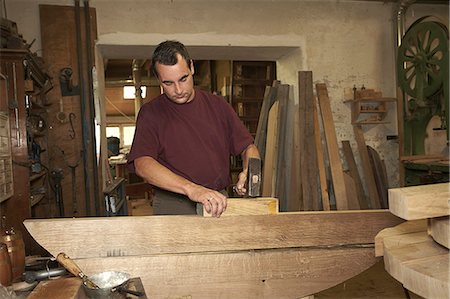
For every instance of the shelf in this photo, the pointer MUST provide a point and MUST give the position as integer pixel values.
(369, 101)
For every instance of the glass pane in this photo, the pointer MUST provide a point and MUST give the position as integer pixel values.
(113, 132)
(128, 134)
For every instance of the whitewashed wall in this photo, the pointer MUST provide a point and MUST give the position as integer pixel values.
(344, 43)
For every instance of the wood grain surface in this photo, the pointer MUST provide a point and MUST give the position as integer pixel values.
(420, 202)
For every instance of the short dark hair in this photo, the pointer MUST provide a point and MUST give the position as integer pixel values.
(166, 53)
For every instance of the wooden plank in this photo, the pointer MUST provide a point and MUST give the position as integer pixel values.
(404, 228)
(365, 163)
(261, 131)
(380, 175)
(353, 171)
(52, 289)
(320, 160)
(428, 277)
(309, 173)
(337, 173)
(271, 152)
(439, 229)
(295, 193)
(144, 235)
(247, 206)
(419, 202)
(416, 260)
(280, 174)
(352, 196)
(287, 155)
(398, 250)
(271, 273)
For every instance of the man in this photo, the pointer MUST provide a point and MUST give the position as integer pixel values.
(184, 139)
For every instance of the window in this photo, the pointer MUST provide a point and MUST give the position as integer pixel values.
(128, 135)
(125, 132)
(128, 92)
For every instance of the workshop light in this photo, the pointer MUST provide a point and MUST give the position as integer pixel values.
(129, 92)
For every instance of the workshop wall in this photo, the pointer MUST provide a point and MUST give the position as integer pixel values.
(344, 43)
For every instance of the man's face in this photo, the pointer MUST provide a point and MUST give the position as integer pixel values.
(177, 80)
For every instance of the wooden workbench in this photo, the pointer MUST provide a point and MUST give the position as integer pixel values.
(284, 255)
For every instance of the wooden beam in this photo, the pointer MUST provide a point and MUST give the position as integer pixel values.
(248, 206)
(420, 202)
(337, 173)
(144, 235)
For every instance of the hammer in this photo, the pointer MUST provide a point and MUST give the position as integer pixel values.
(254, 177)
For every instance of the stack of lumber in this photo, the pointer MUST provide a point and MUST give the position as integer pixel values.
(302, 162)
(269, 255)
(416, 252)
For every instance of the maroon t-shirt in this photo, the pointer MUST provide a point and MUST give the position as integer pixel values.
(194, 140)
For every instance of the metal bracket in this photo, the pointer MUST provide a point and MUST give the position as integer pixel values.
(65, 82)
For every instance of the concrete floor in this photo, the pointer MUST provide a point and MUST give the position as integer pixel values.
(372, 283)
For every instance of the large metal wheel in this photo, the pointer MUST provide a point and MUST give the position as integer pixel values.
(423, 59)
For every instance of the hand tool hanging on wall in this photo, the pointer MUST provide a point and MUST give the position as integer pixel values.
(74, 184)
(72, 133)
(66, 84)
(13, 105)
(56, 177)
(73, 176)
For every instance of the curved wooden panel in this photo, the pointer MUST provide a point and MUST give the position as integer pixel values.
(287, 255)
(440, 230)
(272, 273)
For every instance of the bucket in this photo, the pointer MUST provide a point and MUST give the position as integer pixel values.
(16, 249)
(113, 146)
(5, 266)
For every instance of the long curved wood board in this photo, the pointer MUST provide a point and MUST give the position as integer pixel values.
(418, 262)
(272, 273)
(286, 255)
(440, 230)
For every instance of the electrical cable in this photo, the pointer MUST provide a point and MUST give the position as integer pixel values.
(118, 110)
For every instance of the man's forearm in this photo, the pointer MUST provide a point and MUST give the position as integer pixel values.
(158, 175)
